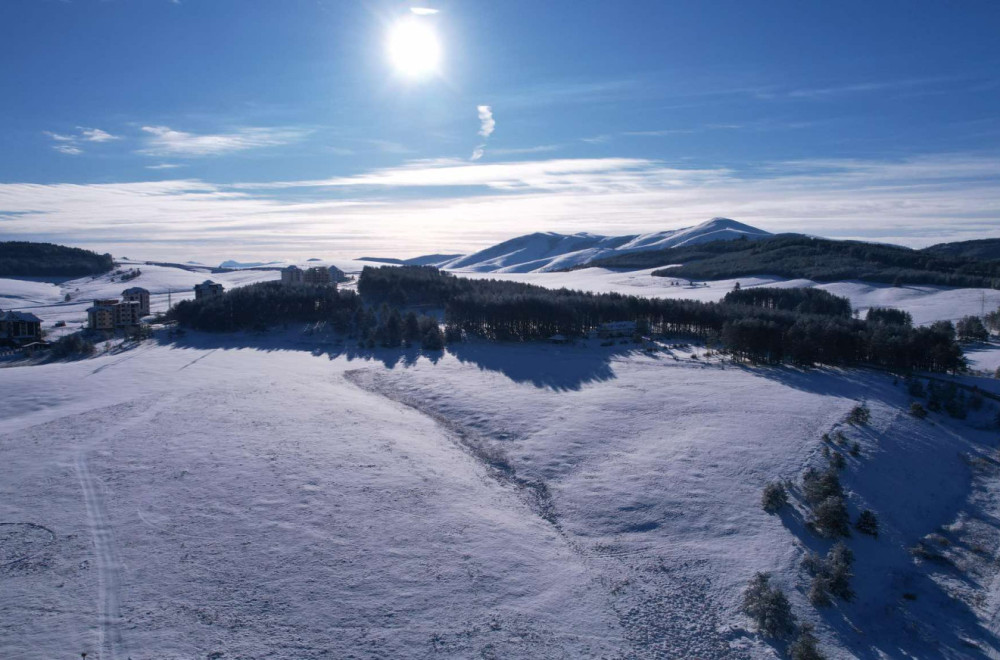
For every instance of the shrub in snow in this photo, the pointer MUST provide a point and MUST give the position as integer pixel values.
(774, 497)
(831, 575)
(830, 517)
(837, 461)
(867, 523)
(768, 606)
(70, 345)
(918, 410)
(956, 406)
(818, 486)
(916, 388)
(860, 414)
(805, 646)
(855, 449)
(839, 561)
(819, 592)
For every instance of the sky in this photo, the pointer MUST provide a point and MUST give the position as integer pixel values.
(258, 130)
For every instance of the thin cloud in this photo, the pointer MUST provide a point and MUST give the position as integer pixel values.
(486, 126)
(165, 141)
(69, 144)
(163, 166)
(59, 138)
(423, 11)
(486, 121)
(95, 135)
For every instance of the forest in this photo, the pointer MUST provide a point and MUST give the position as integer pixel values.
(760, 325)
(26, 259)
(795, 256)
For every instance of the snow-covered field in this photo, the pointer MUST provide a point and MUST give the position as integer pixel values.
(280, 496)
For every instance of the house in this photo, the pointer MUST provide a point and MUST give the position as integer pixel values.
(19, 328)
(109, 314)
(139, 295)
(292, 275)
(207, 289)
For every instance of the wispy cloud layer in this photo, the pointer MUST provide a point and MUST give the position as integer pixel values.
(165, 141)
(69, 144)
(456, 206)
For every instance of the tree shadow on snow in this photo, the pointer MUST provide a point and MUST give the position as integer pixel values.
(557, 367)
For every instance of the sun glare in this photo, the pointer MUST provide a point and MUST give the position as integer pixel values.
(414, 49)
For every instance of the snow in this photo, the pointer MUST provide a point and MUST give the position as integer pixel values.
(545, 251)
(281, 495)
(284, 495)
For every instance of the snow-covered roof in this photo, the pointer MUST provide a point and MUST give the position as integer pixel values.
(19, 316)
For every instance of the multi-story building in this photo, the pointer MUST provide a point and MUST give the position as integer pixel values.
(292, 275)
(207, 289)
(139, 295)
(109, 314)
(19, 328)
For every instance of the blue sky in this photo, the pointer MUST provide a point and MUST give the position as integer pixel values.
(251, 129)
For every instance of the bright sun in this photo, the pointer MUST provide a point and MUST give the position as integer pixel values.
(414, 49)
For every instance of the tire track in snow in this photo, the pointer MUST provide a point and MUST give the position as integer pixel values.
(110, 643)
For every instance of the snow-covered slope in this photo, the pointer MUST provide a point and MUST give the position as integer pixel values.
(546, 251)
(281, 497)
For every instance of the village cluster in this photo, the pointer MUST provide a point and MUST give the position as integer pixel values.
(20, 330)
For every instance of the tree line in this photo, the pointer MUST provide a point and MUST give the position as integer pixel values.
(795, 256)
(786, 325)
(764, 325)
(26, 259)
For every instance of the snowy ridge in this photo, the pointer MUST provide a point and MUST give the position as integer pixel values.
(546, 251)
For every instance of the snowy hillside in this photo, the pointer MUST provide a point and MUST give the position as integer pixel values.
(547, 251)
(280, 496)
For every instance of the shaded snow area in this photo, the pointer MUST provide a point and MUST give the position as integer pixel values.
(279, 496)
(925, 303)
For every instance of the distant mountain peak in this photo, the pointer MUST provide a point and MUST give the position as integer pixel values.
(542, 251)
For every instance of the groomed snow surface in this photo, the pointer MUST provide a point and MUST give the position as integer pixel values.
(281, 496)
